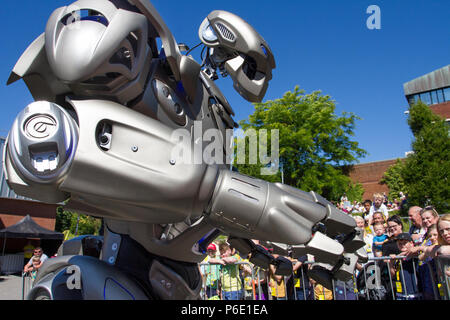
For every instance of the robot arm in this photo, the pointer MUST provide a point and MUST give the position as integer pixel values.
(262, 210)
(131, 174)
(290, 220)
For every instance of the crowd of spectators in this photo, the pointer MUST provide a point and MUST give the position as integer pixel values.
(405, 254)
(408, 254)
(381, 199)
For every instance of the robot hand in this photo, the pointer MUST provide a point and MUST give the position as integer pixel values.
(290, 219)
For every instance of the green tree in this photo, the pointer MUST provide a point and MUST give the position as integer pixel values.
(426, 171)
(394, 180)
(63, 219)
(76, 224)
(86, 224)
(314, 143)
(355, 192)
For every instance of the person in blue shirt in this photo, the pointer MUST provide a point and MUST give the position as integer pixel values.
(379, 239)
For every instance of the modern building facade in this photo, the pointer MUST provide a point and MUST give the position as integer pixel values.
(434, 90)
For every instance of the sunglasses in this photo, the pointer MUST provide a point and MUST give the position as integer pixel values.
(429, 208)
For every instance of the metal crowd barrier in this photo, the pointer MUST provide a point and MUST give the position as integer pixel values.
(442, 276)
(417, 281)
(27, 284)
(376, 280)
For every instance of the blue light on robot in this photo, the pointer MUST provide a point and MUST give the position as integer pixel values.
(264, 50)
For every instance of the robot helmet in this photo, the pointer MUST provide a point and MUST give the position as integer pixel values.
(99, 48)
(240, 50)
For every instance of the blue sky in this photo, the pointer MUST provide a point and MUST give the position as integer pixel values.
(319, 45)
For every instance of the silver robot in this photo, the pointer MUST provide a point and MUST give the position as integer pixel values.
(99, 137)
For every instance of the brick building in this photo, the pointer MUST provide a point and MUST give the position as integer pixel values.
(369, 176)
(433, 89)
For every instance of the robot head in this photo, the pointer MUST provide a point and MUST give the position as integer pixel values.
(240, 51)
(99, 48)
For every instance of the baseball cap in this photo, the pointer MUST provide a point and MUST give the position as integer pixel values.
(404, 236)
(211, 246)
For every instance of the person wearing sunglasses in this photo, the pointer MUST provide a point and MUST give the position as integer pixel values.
(38, 252)
(429, 216)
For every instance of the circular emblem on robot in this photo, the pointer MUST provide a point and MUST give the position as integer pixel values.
(40, 126)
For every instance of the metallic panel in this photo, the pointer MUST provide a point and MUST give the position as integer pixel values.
(434, 80)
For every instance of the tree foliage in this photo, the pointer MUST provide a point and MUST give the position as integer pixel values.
(72, 223)
(394, 180)
(426, 171)
(355, 192)
(314, 143)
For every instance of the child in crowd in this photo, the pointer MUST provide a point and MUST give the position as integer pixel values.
(210, 272)
(36, 263)
(367, 204)
(277, 284)
(432, 236)
(378, 206)
(428, 279)
(379, 238)
(230, 279)
(404, 271)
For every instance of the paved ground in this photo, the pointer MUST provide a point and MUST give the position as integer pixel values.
(10, 287)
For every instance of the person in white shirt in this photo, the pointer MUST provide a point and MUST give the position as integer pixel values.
(39, 253)
(417, 230)
(378, 206)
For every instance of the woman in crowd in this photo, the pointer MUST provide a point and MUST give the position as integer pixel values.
(430, 218)
(377, 217)
(443, 247)
(394, 227)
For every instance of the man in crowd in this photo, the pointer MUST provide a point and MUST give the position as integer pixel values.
(417, 231)
(36, 253)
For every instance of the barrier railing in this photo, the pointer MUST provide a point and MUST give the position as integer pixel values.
(27, 283)
(443, 276)
(227, 282)
(381, 278)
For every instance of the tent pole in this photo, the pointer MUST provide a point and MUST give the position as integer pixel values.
(78, 221)
(3, 254)
(4, 245)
